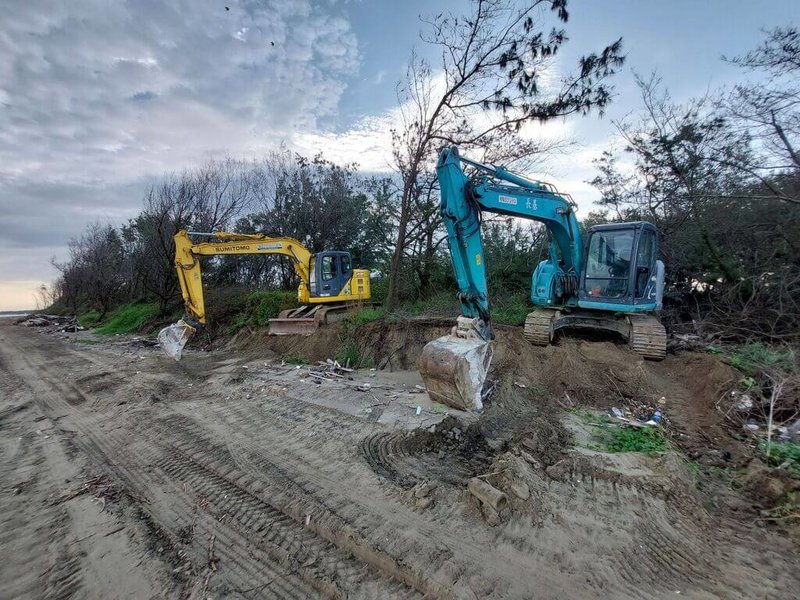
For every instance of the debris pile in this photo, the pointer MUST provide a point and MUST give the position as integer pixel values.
(56, 322)
(328, 370)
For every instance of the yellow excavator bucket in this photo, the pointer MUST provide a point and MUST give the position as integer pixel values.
(454, 368)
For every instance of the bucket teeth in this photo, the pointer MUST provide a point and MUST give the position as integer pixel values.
(454, 370)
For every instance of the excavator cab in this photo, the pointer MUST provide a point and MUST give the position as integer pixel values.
(329, 273)
(622, 271)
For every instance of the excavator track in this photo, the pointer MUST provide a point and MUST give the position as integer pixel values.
(539, 326)
(647, 337)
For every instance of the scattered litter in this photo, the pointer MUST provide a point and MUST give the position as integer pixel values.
(618, 412)
(744, 403)
(520, 385)
(328, 370)
(419, 410)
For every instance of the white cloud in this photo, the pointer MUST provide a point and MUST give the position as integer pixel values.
(97, 97)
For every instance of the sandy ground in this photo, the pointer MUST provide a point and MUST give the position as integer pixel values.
(126, 475)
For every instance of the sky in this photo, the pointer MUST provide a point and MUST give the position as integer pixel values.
(100, 97)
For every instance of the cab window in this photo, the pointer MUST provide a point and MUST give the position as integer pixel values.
(345, 264)
(645, 259)
(608, 263)
(328, 268)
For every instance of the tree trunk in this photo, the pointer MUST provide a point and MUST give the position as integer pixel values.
(397, 257)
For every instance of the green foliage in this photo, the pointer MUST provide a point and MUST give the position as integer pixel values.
(239, 321)
(511, 310)
(379, 289)
(129, 318)
(783, 454)
(263, 306)
(365, 315)
(294, 358)
(443, 303)
(755, 357)
(89, 319)
(648, 440)
(349, 354)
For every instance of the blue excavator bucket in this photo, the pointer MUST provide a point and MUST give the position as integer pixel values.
(454, 367)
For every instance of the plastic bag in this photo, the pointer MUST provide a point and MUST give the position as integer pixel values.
(173, 338)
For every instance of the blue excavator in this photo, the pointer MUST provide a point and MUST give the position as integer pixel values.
(613, 281)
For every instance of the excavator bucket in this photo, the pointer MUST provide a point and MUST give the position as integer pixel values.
(173, 338)
(454, 370)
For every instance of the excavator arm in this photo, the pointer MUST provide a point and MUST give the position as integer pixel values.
(454, 367)
(187, 264)
(496, 190)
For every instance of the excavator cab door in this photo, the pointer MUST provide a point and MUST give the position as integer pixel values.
(331, 273)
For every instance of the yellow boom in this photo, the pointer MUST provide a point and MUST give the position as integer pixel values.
(188, 265)
(316, 283)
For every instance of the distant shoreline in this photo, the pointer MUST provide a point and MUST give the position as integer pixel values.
(7, 314)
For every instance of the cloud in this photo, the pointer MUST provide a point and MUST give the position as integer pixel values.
(97, 97)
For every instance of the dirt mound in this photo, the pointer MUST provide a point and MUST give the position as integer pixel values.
(449, 454)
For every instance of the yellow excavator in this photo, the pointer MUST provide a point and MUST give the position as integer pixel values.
(329, 285)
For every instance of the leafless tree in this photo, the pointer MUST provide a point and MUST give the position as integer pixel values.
(491, 84)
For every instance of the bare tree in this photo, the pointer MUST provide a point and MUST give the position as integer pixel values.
(493, 62)
(770, 112)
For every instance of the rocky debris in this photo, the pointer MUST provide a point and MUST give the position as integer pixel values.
(420, 496)
(520, 490)
(487, 494)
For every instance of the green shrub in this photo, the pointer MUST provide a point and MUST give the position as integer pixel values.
(648, 440)
(89, 319)
(349, 354)
(511, 311)
(783, 454)
(239, 321)
(365, 315)
(755, 357)
(129, 318)
(263, 306)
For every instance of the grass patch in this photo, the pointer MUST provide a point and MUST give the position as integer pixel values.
(755, 357)
(783, 454)
(239, 321)
(366, 315)
(294, 358)
(129, 318)
(513, 314)
(647, 440)
(89, 319)
(349, 354)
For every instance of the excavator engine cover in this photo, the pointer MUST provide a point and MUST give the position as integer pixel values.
(454, 369)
